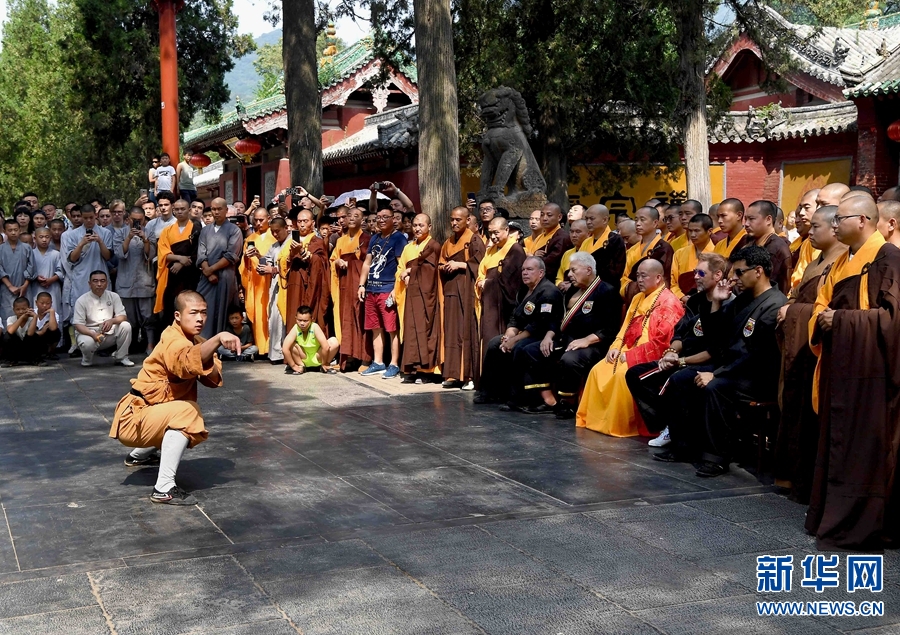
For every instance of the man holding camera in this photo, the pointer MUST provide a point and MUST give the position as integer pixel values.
(136, 284)
(85, 249)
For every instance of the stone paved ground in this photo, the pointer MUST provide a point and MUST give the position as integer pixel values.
(330, 504)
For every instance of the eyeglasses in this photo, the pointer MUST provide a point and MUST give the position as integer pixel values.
(838, 219)
(740, 272)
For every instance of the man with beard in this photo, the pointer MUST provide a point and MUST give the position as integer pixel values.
(347, 259)
(176, 261)
(854, 332)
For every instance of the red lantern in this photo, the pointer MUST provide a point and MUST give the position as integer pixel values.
(247, 148)
(893, 131)
(200, 160)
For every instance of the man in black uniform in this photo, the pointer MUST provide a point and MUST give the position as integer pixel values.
(540, 307)
(571, 347)
(746, 357)
(687, 355)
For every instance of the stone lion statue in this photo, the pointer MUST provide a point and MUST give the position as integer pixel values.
(508, 165)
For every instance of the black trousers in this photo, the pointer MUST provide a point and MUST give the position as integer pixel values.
(678, 403)
(30, 348)
(564, 370)
(502, 373)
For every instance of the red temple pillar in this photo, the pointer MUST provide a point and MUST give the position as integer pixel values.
(168, 75)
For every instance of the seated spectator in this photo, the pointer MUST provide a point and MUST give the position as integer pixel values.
(47, 326)
(100, 322)
(245, 333)
(21, 342)
(306, 347)
(572, 347)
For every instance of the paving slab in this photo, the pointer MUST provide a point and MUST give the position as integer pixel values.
(87, 620)
(45, 595)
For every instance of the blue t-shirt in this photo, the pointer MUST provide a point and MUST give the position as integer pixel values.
(385, 253)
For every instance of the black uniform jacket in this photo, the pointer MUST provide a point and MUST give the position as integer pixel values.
(538, 311)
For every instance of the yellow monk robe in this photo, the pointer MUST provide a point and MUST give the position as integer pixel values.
(284, 265)
(684, 262)
(678, 242)
(168, 382)
(529, 244)
(590, 245)
(726, 246)
(607, 405)
(635, 253)
(807, 255)
(843, 267)
(564, 264)
(346, 245)
(256, 290)
(542, 240)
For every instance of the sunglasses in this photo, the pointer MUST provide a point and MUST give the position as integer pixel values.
(740, 272)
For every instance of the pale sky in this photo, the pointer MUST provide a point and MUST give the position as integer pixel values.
(250, 15)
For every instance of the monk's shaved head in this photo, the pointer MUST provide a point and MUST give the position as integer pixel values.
(863, 205)
(891, 194)
(652, 267)
(626, 225)
(218, 202)
(578, 224)
(498, 222)
(809, 197)
(854, 194)
(601, 211)
(277, 222)
(188, 297)
(826, 213)
(423, 217)
(889, 209)
(652, 212)
(831, 194)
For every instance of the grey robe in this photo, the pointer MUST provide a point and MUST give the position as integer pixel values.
(47, 265)
(17, 265)
(78, 274)
(276, 324)
(213, 246)
(137, 277)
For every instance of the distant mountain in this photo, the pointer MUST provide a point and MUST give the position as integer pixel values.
(242, 79)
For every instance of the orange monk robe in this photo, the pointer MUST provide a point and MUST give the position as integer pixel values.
(425, 315)
(564, 266)
(168, 382)
(530, 244)
(805, 256)
(181, 242)
(303, 282)
(726, 246)
(607, 405)
(256, 289)
(633, 257)
(348, 310)
(843, 267)
(684, 263)
(678, 242)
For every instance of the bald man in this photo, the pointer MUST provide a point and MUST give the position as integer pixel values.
(831, 194)
(759, 223)
(730, 216)
(676, 231)
(256, 285)
(606, 246)
(802, 252)
(554, 241)
(889, 221)
(417, 294)
(855, 332)
(627, 229)
(499, 280)
(304, 271)
(651, 247)
(890, 194)
(218, 252)
(798, 432)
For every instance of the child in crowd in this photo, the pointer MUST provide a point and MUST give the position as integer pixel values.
(208, 218)
(306, 346)
(245, 333)
(57, 227)
(47, 268)
(47, 326)
(25, 342)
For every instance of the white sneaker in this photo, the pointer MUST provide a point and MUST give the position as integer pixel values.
(87, 361)
(662, 440)
(124, 362)
(468, 386)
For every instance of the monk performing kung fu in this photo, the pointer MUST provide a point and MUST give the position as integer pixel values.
(304, 272)
(461, 255)
(798, 432)
(554, 241)
(651, 246)
(176, 266)
(161, 411)
(606, 405)
(417, 294)
(347, 259)
(854, 331)
(699, 233)
(499, 280)
(256, 285)
(607, 248)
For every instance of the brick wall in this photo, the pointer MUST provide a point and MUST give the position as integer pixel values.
(877, 156)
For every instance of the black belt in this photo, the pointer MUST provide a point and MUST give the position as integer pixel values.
(137, 393)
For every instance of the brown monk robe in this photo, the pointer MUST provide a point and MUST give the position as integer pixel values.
(461, 255)
(417, 293)
(855, 330)
(499, 280)
(304, 272)
(347, 259)
(798, 431)
(553, 242)
(161, 409)
(651, 246)
(759, 223)
(607, 248)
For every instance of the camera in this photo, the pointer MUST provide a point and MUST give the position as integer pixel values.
(89, 232)
(295, 235)
(136, 224)
(378, 186)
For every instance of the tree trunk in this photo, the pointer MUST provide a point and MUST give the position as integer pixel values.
(302, 94)
(438, 119)
(554, 161)
(692, 44)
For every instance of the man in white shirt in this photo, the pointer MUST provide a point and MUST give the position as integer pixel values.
(100, 322)
(165, 176)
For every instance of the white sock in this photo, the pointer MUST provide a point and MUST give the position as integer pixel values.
(173, 446)
(141, 453)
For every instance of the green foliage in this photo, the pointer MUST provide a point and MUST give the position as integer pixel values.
(79, 90)
(269, 65)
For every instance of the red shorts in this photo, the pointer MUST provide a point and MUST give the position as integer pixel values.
(378, 316)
